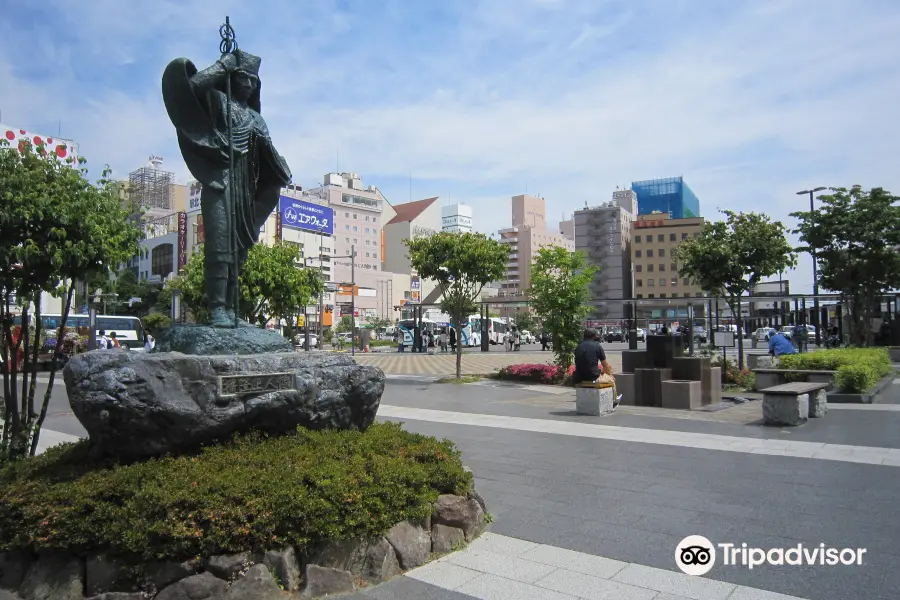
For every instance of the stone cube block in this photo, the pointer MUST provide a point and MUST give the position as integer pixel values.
(593, 401)
(625, 387)
(818, 404)
(785, 410)
(681, 394)
(715, 386)
(648, 386)
(633, 359)
(662, 349)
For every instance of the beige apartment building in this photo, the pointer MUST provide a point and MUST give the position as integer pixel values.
(528, 234)
(654, 240)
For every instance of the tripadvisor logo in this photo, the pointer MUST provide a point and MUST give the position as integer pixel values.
(696, 555)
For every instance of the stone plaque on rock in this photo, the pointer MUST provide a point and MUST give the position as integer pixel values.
(254, 383)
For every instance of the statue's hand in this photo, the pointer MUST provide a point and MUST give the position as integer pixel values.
(229, 62)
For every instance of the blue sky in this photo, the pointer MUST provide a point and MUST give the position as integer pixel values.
(482, 99)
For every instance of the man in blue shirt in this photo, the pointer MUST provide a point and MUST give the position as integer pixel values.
(778, 345)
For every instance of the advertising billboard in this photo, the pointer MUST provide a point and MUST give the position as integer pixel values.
(65, 149)
(299, 214)
(182, 240)
(194, 196)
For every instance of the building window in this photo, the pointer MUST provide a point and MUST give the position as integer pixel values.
(683, 236)
(686, 281)
(355, 228)
(672, 237)
(367, 242)
(662, 267)
(660, 237)
(640, 296)
(674, 282)
(347, 215)
(662, 295)
(672, 267)
(637, 239)
(161, 260)
(638, 268)
(649, 268)
(662, 282)
(649, 253)
(661, 252)
(355, 216)
(638, 283)
(367, 218)
(685, 295)
(356, 240)
(651, 296)
(346, 239)
(650, 283)
(637, 253)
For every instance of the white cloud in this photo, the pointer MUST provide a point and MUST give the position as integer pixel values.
(750, 103)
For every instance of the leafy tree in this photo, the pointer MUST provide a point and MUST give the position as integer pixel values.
(461, 264)
(155, 322)
(271, 285)
(729, 258)
(345, 324)
(127, 286)
(855, 237)
(380, 323)
(559, 295)
(526, 321)
(57, 228)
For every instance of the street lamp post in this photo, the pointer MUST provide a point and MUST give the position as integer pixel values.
(812, 252)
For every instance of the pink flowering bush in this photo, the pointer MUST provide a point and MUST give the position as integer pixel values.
(534, 373)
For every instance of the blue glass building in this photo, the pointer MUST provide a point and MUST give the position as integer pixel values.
(670, 195)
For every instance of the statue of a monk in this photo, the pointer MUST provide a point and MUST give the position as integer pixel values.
(198, 105)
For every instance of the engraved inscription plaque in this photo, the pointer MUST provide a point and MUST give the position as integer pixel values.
(257, 383)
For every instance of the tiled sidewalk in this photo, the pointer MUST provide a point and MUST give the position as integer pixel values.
(497, 567)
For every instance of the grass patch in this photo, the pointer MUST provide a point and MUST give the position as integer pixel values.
(253, 493)
(461, 380)
(857, 369)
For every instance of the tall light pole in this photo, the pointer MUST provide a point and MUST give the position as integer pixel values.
(812, 252)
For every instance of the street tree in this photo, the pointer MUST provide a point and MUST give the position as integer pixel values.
(58, 228)
(126, 286)
(461, 264)
(271, 285)
(855, 237)
(729, 258)
(559, 293)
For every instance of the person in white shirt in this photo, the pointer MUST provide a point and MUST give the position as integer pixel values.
(149, 342)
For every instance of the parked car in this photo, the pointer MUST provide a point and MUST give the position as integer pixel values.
(615, 335)
(528, 337)
(700, 335)
(788, 331)
(641, 335)
(763, 334)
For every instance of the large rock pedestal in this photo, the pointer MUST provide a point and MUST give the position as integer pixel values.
(136, 405)
(206, 341)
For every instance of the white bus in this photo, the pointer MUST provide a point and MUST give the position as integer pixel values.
(496, 330)
(128, 330)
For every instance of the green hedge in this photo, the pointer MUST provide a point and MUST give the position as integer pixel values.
(254, 493)
(858, 369)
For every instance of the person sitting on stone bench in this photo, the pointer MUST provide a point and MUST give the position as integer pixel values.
(589, 357)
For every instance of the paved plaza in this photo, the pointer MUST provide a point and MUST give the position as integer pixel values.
(594, 507)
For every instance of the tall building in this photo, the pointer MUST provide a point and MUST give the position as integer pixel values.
(456, 218)
(420, 218)
(603, 234)
(359, 213)
(527, 235)
(655, 238)
(671, 196)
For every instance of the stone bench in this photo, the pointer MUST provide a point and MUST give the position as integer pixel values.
(767, 378)
(595, 399)
(791, 404)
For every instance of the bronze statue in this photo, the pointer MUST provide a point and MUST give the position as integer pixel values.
(226, 145)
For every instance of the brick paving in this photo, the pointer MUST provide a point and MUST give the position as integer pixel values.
(443, 365)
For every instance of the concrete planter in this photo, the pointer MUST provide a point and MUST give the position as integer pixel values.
(894, 352)
(863, 398)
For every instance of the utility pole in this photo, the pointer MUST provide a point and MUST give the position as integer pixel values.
(812, 252)
(353, 300)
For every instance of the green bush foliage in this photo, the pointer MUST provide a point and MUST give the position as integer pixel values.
(252, 493)
(857, 369)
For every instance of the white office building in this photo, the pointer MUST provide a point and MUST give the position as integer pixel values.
(456, 218)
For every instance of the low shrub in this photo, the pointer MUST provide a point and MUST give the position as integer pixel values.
(857, 369)
(534, 373)
(253, 493)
